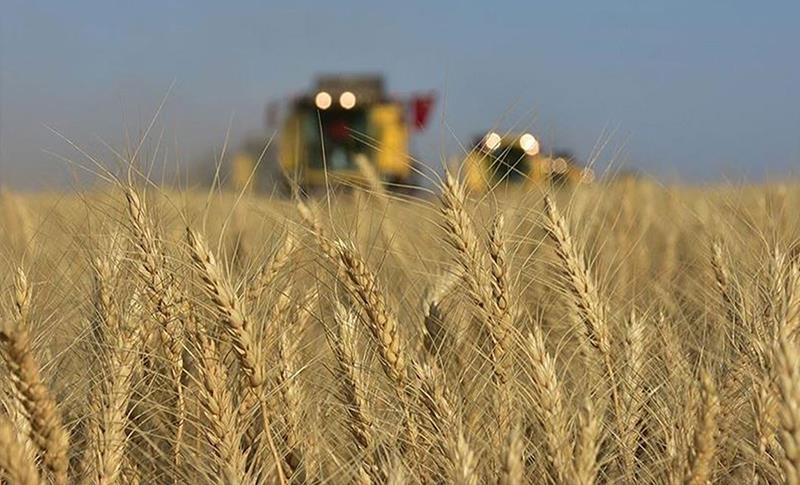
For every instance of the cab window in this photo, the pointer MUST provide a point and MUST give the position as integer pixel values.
(342, 132)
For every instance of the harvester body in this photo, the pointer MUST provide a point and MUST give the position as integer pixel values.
(516, 159)
(346, 118)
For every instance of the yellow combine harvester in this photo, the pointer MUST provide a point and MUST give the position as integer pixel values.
(345, 119)
(516, 159)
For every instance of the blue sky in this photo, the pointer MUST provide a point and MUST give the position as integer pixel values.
(693, 90)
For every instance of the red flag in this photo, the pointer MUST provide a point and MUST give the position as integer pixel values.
(421, 107)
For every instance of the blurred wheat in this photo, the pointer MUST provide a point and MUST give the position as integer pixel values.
(607, 334)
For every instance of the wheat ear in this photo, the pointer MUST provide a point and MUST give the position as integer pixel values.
(302, 452)
(585, 296)
(730, 294)
(788, 377)
(22, 297)
(701, 466)
(387, 228)
(765, 414)
(587, 446)
(310, 218)
(360, 424)
(230, 309)
(14, 407)
(501, 321)
(272, 267)
(549, 407)
(47, 431)
(105, 451)
(167, 302)
(460, 234)
(382, 323)
(447, 424)
(238, 328)
(17, 468)
(46, 428)
(487, 285)
(512, 467)
(384, 328)
(104, 267)
(223, 432)
(792, 321)
(632, 394)
(581, 284)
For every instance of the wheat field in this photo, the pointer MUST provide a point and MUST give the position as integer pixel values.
(621, 333)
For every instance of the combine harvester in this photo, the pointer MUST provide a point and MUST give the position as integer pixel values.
(345, 120)
(516, 159)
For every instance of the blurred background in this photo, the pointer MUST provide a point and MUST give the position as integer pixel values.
(687, 91)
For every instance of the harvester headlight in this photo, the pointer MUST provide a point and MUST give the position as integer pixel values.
(588, 175)
(347, 100)
(529, 143)
(560, 165)
(323, 100)
(492, 141)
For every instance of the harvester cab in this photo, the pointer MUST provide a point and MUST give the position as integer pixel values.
(516, 159)
(344, 120)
